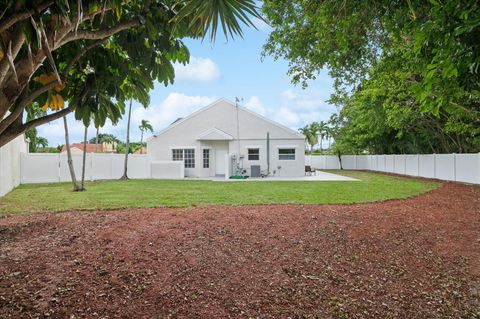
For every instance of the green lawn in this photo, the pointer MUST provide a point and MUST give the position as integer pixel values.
(153, 193)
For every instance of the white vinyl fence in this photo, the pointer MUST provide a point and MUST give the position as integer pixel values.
(10, 164)
(44, 168)
(449, 167)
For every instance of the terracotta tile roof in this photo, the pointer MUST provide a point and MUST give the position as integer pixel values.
(90, 147)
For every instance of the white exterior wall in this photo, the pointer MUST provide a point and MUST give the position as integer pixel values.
(167, 170)
(222, 115)
(10, 172)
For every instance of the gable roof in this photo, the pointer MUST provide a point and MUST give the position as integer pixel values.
(181, 120)
(214, 134)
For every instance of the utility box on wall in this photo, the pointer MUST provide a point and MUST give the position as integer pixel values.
(255, 171)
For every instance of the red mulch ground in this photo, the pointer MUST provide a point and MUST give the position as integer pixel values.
(417, 258)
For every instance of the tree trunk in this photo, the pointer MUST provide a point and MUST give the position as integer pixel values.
(69, 157)
(329, 141)
(82, 183)
(340, 159)
(96, 140)
(127, 143)
(321, 140)
(141, 143)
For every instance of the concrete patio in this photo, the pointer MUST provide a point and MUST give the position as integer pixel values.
(319, 176)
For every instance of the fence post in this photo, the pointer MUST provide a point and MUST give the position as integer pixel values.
(434, 165)
(91, 166)
(454, 167)
(418, 164)
(111, 165)
(59, 167)
(355, 160)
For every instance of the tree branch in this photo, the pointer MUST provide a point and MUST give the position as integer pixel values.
(13, 132)
(100, 34)
(18, 39)
(79, 56)
(20, 16)
(21, 105)
(47, 118)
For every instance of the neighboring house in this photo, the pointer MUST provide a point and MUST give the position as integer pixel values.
(77, 148)
(141, 150)
(210, 141)
(108, 147)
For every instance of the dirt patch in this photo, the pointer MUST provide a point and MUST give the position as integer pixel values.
(417, 258)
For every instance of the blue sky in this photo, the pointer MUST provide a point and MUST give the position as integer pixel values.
(221, 69)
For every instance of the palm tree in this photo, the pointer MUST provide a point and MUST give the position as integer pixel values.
(127, 146)
(41, 141)
(328, 136)
(321, 128)
(144, 126)
(311, 137)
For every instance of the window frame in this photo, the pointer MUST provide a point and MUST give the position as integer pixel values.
(206, 159)
(287, 156)
(180, 154)
(257, 154)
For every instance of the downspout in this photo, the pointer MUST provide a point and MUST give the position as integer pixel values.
(238, 136)
(268, 153)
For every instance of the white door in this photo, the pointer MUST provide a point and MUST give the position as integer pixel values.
(220, 161)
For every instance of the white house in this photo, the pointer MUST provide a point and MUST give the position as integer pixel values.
(223, 139)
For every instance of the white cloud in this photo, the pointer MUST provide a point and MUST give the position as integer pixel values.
(287, 117)
(55, 132)
(174, 106)
(297, 109)
(254, 104)
(198, 70)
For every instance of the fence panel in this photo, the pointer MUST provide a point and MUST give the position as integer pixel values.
(467, 167)
(361, 162)
(332, 162)
(138, 166)
(315, 161)
(10, 164)
(77, 167)
(399, 164)
(348, 161)
(411, 165)
(445, 166)
(101, 166)
(389, 163)
(39, 168)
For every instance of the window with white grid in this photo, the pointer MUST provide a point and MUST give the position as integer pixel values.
(187, 155)
(206, 158)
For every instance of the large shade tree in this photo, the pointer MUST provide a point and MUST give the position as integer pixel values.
(50, 40)
(413, 65)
